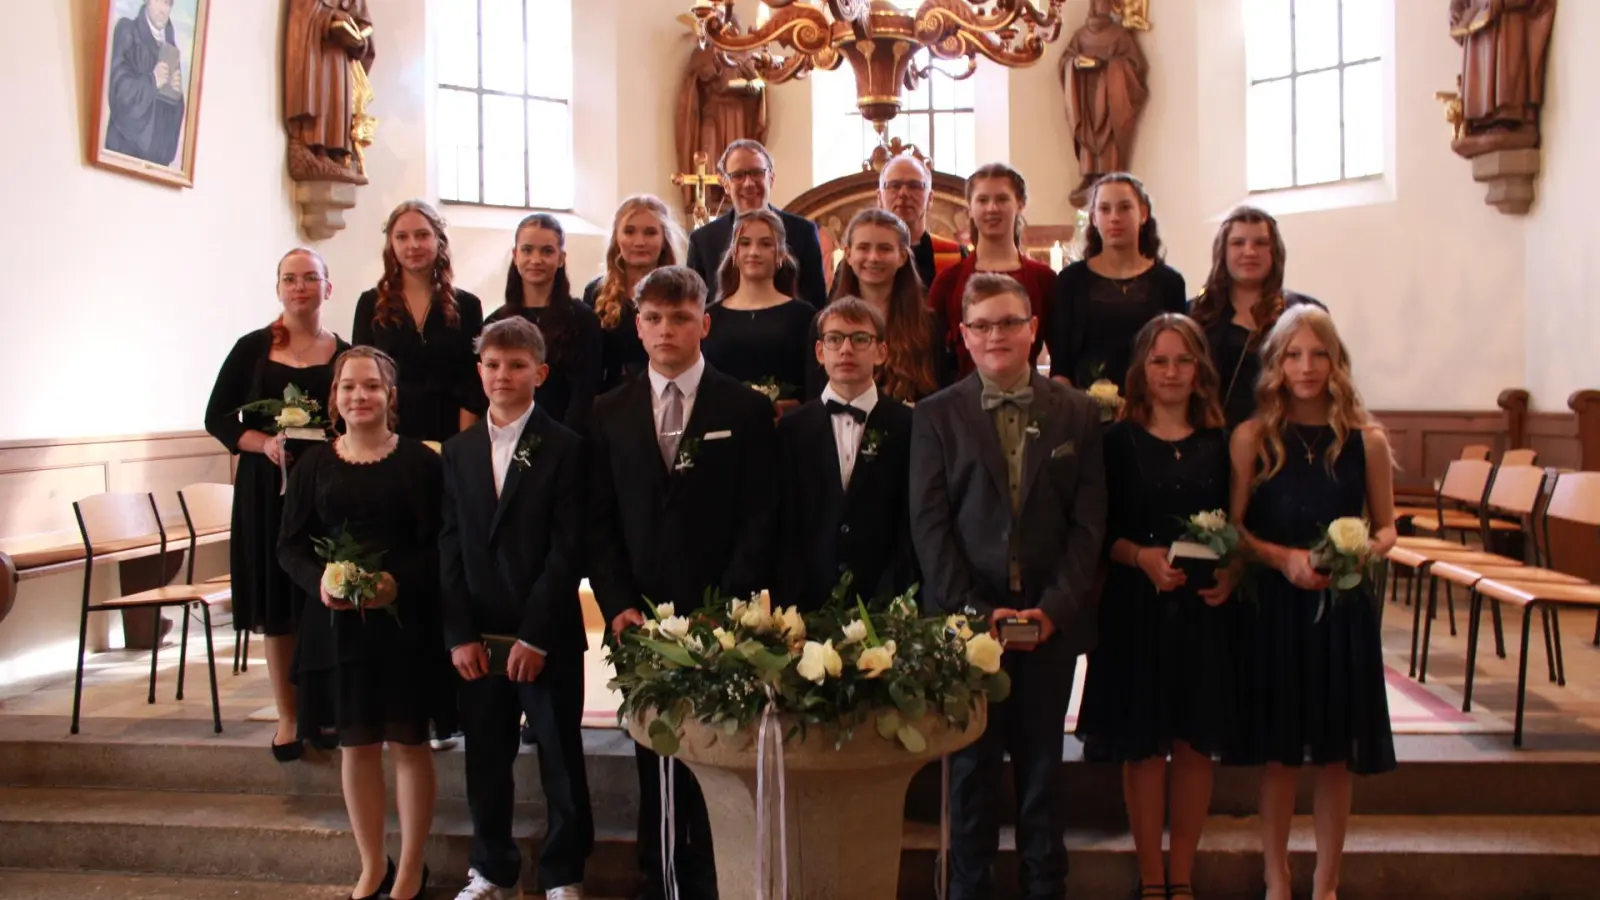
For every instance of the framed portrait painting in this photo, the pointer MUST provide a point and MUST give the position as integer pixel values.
(147, 103)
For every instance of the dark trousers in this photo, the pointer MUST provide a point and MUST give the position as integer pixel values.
(696, 863)
(491, 710)
(1030, 726)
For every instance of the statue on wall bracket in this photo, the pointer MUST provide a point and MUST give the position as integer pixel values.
(1104, 78)
(327, 56)
(1494, 112)
(721, 100)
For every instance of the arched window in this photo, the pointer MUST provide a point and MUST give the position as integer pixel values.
(503, 126)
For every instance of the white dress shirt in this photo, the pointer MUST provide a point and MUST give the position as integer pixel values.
(847, 432)
(503, 446)
(688, 385)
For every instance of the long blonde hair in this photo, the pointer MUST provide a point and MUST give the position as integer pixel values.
(1346, 412)
(612, 296)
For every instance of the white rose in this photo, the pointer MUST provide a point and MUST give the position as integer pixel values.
(960, 626)
(875, 661)
(984, 652)
(336, 579)
(723, 638)
(819, 661)
(293, 417)
(675, 627)
(1349, 536)
(754, 618)
(790, 623)
(665, 611)
(1105, 391)
(854, 633)
(1215, 520)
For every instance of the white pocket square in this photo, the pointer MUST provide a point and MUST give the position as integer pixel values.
(1066, 449)
(718, 435)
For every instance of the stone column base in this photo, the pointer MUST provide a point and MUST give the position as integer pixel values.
(1509, 174)
(322, 205)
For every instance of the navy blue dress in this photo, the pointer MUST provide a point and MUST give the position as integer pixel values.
(1164, 667)
(1314, 688)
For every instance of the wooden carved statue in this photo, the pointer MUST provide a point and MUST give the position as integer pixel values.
(1103, 75)
(717, 105)
(1504, 48)
(326, 57)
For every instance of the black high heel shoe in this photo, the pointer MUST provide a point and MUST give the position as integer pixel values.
(383, 886)
(421, 889)
(287, 753)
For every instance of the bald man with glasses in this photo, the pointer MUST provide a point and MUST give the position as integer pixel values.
(905, 188)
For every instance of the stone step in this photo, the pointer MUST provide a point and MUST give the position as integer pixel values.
(22, 884)
(306, 839)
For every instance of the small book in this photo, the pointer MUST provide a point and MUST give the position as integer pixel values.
(499, 647)
(1018, 631)
(1198, 562)
(305, 434)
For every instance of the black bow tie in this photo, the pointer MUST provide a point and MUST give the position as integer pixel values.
(835, 408)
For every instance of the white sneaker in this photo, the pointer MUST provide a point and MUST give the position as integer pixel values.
(481, 888)
(565, 892)
(442, 743)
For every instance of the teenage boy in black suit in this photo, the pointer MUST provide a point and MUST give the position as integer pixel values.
(682, 493)
(843, 463)
(510, 551)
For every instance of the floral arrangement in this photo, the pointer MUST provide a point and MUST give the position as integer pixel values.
(352, 572)
(1344, 554)
(1213, 530)
(295, 410)
(772, 389)
(1105, 392)
(843, 666)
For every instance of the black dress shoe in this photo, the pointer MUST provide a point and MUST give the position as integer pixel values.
(383, 886)
(423, 889)
(286, 753)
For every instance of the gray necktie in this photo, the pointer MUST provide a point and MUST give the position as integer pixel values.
(671, 422)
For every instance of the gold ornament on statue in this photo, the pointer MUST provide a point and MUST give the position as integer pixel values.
(879, 38)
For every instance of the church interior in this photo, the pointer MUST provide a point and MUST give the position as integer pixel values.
(1459, 263)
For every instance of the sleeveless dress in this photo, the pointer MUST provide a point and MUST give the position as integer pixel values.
(1164, 668)
(1314, 688)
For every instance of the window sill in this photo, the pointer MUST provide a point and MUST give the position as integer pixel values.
(1369, 191)
(504, 218)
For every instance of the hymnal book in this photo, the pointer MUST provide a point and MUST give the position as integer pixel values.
(1198, 562)
(499, 647)
(1018, 631)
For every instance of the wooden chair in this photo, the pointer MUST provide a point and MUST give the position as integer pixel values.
(207, 509)
(1576, 499)
(1476, 451)
(109, 522)
(1522, 456)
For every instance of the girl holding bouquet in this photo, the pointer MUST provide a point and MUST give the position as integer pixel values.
(368, 668)
(1306, 469)
(1160, 681)
(294, 351)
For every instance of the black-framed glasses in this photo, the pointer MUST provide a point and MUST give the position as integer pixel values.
(748, 175)
(860, 340)
(1002, 327)
(913, 187)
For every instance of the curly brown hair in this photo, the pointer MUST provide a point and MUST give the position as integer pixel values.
(391, 310)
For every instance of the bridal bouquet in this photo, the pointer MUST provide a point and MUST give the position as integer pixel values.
(1344, 554)
(845, 665)
(352, 572)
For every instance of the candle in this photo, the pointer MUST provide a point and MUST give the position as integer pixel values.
(1058, 256)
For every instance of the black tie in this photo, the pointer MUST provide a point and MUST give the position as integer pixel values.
(835, 408)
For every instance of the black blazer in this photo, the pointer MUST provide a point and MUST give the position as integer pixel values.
(667, 536)
(961, 519)
(709, 243)
(825, 530)
(510, 565)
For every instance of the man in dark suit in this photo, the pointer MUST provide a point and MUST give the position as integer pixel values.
(682, 497)
(1008, 511)
(905, 188)
(843, 460)
(145, 86)
(510, 551)
(746, 170)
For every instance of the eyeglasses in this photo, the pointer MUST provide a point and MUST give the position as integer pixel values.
(748, 175)
(860, 340)
(1002, 327)
(310, 279)
(910, 187)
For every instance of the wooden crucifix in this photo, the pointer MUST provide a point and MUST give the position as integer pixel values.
(699, 180)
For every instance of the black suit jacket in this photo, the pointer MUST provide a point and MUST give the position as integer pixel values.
(669, 535)
(826, 530)
(709, 243)
(510, 565)
(961, 519)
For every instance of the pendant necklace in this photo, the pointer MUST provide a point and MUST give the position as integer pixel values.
(1311, 455)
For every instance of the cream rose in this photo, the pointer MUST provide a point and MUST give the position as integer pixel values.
(293, 417)
(854, 633)
(959, 626)
(984, 652)
(790, 623)
(875, 661)
(337, 576)
(724, 639)
(819, 661)
(1215, 520)
(675, 627)
(1105, 391)
(754, 618)
(1349, 536)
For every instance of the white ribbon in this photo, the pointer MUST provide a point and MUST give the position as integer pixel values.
(283, 467)
(669, 827)
(941, 882)
(764, 761)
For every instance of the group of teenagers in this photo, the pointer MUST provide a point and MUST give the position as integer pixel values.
(730, 423)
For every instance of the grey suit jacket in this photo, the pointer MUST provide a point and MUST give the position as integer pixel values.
(961, 519)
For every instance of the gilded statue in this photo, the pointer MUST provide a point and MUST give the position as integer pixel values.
(1504, 45)
(717, 105)
(327, 56)
(1103, 76)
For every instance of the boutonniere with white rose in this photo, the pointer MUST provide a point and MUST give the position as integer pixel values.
(1344, 554)
(871, 443)
(730, 662)
(688, 449)
(526, 448)
(352, 572)
(1035, 426)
